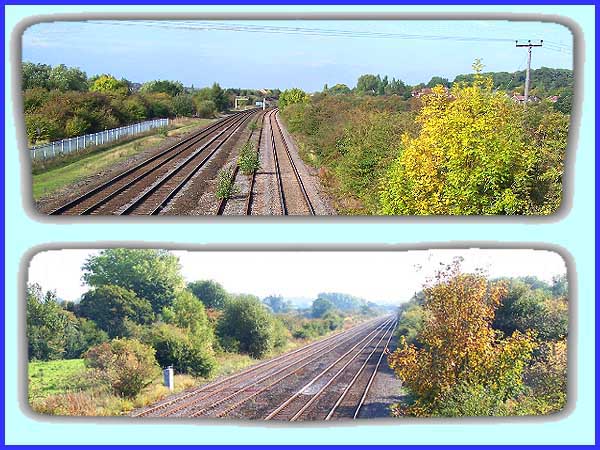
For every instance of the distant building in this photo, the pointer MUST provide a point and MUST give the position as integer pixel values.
(518, 98)
(552, 98)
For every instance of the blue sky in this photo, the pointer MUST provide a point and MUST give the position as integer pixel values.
(254, 54)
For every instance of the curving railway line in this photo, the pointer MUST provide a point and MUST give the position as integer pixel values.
(292, 196)
(328, 379)
(149, 186)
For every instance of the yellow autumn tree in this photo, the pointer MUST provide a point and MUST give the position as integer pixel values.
(469, 157)
(461, 366)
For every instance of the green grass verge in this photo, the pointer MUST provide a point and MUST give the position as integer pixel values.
(50, 181)
(53, 377)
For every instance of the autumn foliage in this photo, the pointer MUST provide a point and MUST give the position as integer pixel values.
(460, 354)
(474, 154)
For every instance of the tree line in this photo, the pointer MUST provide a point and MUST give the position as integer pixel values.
(139, 315)
(61, 101)
(465, 150)
(470, 346)
(544, 82)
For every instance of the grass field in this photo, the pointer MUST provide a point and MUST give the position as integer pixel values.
(60, 387)
(50, 181)
(53, 377)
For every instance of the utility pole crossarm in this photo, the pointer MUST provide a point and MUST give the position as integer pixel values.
(529, 46)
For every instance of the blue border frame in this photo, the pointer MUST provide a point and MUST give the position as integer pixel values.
(263, 3)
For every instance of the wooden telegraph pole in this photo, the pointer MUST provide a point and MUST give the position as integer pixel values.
(529, 46)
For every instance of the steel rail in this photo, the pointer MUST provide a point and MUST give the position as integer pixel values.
(277, 171)
(248, 371)
(195, 401)
(368, 387)
(277, 381)
(323, 372)
(294, 168)
(357, 375)
(143, 175)
(177, 146)
(315, 397)
(143, 196)
(248, 205)
(223, 201)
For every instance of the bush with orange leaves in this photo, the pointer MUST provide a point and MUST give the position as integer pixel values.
(462, 367)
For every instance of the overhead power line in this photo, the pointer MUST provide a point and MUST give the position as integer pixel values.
(270, 29)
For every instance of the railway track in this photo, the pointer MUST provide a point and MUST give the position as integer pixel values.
(150, 185)
(293, 198)
(249, 197)
(252, 393)
(170, 405)
(314, 400)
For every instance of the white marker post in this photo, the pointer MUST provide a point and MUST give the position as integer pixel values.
(168, 377)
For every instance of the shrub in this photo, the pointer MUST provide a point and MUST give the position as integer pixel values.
(125, 365)
(69, 404)
(206, 109)
(461, 355)
(225, 184)
(174, 347)
(248, 159)
(247, 324)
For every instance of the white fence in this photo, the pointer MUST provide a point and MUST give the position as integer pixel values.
(65, 146)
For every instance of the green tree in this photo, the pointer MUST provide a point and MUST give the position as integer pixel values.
(435, 81)
(278, 304)
(218, 97)
(183, 105)
(110, 85)
(171, 88)
(187, 312)
(560, 286)
(525, 308)
(209, 292)
(321, 306)
(111, 307)
(339, 89)
(292, 97)
(247, 326)
(368, 84)
(47, 325)
(35, 75)
(83, 335)
(153, 275)
(65, 78)
(411, 323)
(205, 108)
